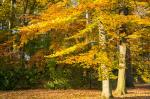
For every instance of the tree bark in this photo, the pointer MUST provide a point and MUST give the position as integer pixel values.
(121, 89)
(106, 89)
(13, 15)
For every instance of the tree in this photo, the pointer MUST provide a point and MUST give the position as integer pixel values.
(124, 51)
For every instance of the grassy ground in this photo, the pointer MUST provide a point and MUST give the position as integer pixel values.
(139, 92)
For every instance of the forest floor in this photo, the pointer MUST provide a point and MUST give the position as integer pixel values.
(139, 92)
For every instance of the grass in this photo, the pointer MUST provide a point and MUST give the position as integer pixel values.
(139, 92)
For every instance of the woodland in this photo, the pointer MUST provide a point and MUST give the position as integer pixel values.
(74, 44)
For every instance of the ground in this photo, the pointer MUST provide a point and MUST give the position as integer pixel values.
(139, 92)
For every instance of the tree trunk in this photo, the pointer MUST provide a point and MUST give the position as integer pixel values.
(121, 89)
(13, 16)
(106, 90)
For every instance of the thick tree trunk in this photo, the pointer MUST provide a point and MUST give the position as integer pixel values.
(121, 88)
(106, 90)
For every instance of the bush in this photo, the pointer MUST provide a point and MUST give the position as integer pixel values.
(69, 76)
(52, 76)
(7, 80)
(58, 78)
(18, 78)
(58, 84)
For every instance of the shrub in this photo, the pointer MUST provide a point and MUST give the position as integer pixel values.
(58, 84)
(58, 78)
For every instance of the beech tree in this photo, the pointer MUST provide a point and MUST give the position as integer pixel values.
(124, 46)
